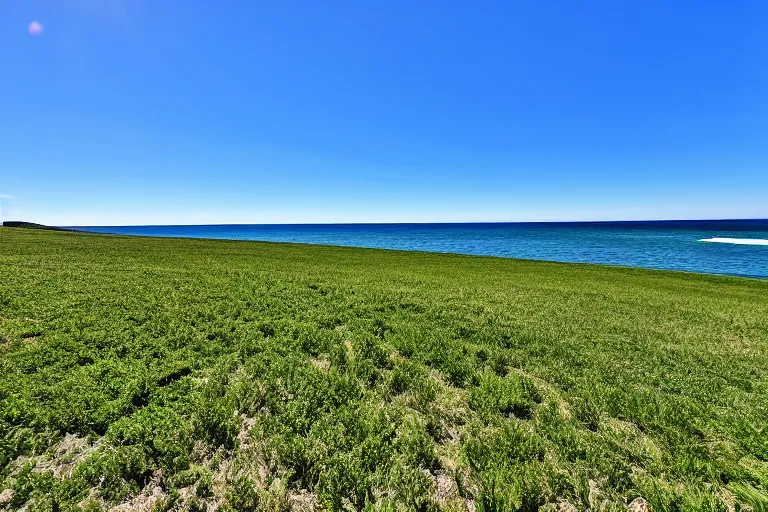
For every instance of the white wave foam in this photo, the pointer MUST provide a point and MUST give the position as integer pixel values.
(737, 241)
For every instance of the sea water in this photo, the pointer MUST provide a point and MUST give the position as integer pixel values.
(733, 247)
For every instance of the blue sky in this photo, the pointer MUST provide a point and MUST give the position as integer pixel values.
(144, 112)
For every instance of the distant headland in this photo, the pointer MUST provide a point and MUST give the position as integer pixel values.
(30, 225)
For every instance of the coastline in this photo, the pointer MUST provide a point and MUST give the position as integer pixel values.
(664, 245)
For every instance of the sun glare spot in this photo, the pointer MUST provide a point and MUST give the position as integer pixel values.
(35, 28)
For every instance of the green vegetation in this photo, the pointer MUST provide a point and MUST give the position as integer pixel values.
(176, 374)
(29, 225)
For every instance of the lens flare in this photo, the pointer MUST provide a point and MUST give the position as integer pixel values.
(35, 28)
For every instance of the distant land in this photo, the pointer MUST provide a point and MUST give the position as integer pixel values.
(30, 225)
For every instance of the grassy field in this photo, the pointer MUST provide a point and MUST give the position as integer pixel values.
(170, 374)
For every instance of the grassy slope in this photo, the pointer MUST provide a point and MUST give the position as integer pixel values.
(239, 374)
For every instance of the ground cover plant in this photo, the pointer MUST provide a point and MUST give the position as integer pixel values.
(170, 374)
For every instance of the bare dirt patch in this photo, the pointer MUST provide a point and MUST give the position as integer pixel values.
(150, 495)
(66, 454)
(303, 501)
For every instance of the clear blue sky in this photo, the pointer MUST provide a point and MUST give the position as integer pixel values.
(146, 111)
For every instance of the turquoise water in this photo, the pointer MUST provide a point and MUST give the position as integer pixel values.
(673, 245)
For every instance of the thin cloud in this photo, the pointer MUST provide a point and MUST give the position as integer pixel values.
(115, 14)
(35, 28)
(6, 196)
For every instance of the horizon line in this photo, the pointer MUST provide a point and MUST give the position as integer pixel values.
(626, 221)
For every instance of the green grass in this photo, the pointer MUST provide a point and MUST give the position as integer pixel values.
(193, 375)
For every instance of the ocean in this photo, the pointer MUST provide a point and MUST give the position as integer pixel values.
(671, 245)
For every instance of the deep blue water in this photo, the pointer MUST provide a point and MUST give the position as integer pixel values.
(673, 245)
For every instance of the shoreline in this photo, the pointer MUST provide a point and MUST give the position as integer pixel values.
(405, 251)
